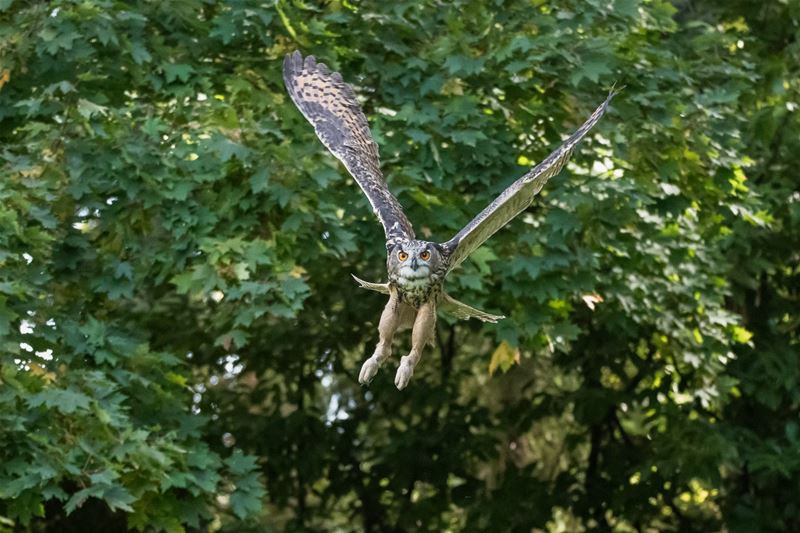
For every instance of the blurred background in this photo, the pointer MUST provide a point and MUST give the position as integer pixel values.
(181, 337)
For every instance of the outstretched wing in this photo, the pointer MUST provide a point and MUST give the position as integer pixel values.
(330, 105)
(517, 196)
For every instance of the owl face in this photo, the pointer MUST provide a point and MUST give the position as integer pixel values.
(414, 261)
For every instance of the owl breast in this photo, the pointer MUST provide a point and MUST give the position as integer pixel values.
(416, 288)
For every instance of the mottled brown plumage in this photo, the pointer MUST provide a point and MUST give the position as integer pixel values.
(331, 106)
(416, 269)
(518, 196)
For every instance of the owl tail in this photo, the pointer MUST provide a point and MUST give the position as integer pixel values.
(383, 288)
(463, 311)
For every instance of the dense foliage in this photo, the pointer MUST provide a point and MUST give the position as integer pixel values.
(181, 337)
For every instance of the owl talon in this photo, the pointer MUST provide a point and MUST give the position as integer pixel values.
(368, 370)
(403, 376)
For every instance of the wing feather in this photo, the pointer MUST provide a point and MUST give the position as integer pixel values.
(518, 196)
(330, 105)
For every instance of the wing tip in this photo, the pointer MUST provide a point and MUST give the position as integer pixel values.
(294, 62)
(292, 59)
(490, 318)
(310, 62)
(614, 91)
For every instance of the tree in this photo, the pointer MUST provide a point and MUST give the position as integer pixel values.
(181, 337)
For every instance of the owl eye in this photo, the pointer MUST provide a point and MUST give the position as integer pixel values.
(402, 256)
(425, 255)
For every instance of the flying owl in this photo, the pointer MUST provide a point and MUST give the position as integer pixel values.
(416, 268)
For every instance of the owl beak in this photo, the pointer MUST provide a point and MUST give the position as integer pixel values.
(414, 263)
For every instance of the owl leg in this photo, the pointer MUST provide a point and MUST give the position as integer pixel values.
(421, 335)
(390, 320)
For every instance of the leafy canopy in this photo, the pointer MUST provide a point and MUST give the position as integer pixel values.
(180, 335)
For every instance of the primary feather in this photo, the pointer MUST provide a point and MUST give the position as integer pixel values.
(330, 105)
(518, 195)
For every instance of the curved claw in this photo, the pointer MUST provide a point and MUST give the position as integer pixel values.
(368, 370)
(403, 376)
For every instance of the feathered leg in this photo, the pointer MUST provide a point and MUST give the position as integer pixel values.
(421, 335)
(394, 315)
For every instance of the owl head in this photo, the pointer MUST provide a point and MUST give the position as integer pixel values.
(413, 259)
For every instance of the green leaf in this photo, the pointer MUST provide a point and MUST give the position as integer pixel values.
(240, 464)
(246, 503)
(118, 497)
(65, 400)
(105, 476)
(592, 69)
(741, 335)
(177, 71)
(183, 281)
(259, 180)
(227, 149)
(139, 53)
(468, 137)
(6, 317)
(78, 498)
(627, 8)
(124, 270)
(459, 64)
(89, 109)
(482, 257)
(246, 500)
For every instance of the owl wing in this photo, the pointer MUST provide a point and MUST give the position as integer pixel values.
(330, 105)
(517, 196)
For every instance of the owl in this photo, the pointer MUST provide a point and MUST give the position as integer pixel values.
(416, 269)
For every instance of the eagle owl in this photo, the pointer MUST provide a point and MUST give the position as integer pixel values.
(416, 268)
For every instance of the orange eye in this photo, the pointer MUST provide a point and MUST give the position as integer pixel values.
(402, 256)
(425, 255)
